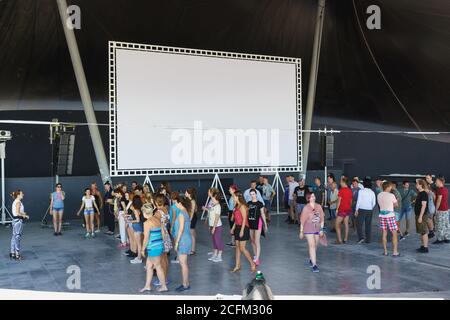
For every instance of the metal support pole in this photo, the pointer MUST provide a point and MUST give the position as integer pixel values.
(313, 81)
(2, 156)
(84, 92)
(4, 210)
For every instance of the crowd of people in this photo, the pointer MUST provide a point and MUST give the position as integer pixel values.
(156, 225)
(353, 203)
(151, 225)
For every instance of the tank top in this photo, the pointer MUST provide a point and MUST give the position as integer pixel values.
(238, 219)
(155, 242)
(21, 210)
(88, 202)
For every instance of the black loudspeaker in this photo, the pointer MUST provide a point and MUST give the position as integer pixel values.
(65, 146)
(327, 150)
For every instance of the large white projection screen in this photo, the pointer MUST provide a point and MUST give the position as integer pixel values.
(177, 110)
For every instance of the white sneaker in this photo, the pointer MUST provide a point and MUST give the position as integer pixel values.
(174, 261)
(217, 259)
(212, 258)
(97, 231)
(136, 260)
(210, 253)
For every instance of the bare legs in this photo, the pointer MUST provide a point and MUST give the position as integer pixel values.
(57, 220)
(89, 223)
(313, 241)
(193, 236)
(255, 238)
(165, 264)
(430, 223)
(394, 242)
(338, 228)
(138, 244)
(184, 269)
(154, 263)
(241, 249)
(424, 239)
(97, 220)
(384, 239)
(133, 245)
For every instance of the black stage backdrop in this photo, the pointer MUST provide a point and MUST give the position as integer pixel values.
(412, 49)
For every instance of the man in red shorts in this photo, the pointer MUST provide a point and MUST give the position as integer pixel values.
(344, 209)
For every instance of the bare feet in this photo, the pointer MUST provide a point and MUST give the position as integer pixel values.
(146, 289)
(162, 289)
(236, 269)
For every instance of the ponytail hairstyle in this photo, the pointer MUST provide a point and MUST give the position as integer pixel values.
(160, 200)
(185, 202)
(212, 191)
(16, 193)
(166, 186)
(147, 210)
(174, 196)
(192, 193)
(137, 203)
(234, 187)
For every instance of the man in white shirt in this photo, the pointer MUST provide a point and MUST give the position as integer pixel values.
(364, 211)
(247, 196)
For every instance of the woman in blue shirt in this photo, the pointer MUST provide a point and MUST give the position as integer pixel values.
(183, 239)
(57, 208)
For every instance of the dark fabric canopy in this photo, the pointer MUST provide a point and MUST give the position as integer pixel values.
(412, 50)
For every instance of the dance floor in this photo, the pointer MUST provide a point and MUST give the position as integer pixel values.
(284, 262)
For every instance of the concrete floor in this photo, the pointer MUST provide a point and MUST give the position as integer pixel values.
(343, 269)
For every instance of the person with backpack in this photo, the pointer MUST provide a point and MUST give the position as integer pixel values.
(408, 197)
(429, 189)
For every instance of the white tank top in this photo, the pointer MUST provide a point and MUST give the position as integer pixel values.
(89, 202)
(14, 211)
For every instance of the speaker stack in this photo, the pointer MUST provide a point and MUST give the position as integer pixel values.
(64, 149)
(327, 150)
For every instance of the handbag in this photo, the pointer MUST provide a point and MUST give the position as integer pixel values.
(323, 240)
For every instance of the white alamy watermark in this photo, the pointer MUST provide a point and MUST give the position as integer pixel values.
(374, 280)
(374, 20)
(199, 146)
(73, 282)
(74, 17)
